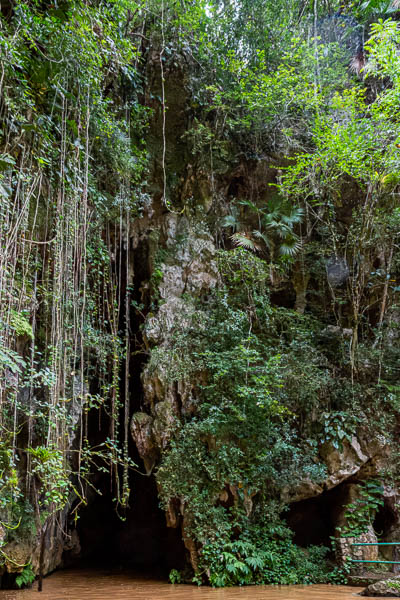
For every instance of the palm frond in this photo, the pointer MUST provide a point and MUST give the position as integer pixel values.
(275, 204)
(280, 229)
(294, 216)
(271, 222)
(250, 204)
(290, 247)
(262, 236)
(229, 221)
(243, 240)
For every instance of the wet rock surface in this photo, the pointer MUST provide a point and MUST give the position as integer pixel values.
(386, 588)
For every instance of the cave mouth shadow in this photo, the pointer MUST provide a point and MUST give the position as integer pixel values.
(386, 520)
(140, 541)
(314, 520)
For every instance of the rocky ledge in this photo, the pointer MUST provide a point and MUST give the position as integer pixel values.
(385, 588)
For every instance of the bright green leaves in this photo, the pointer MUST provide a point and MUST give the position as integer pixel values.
(361, 511)
(384, 63)
(68, 58)
(355, 137)
(49, 465)
(20, 324)
(9, 481)
(26, 577)
(261, 559)
(278, 101)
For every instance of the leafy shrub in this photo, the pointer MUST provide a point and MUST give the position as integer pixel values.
(175, 576)
(20, 324)
(267, 561)
(359, 514)
(26, 577)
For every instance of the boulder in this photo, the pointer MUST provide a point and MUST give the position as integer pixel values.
(141, 431)
(385, 588)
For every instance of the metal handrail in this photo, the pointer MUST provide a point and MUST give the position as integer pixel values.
(376, 544)
(386, 562)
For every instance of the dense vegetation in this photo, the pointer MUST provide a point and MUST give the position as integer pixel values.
(295, 346)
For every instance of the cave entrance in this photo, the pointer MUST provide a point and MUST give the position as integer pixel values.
(314, 520)
(138, 541)
(386, 521)
(136, 538)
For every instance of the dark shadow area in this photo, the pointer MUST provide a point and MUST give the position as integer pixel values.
(314, 520)
(284, 297)
(385, 518)
(141, 542)
(136, 538)
(7, 581)
(311, 522)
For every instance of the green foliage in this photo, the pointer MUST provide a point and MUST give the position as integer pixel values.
(360, 513)
(20, 324)
(279, 98)
(240, 443)
(394, 585)
(26, 577)
(266, 561)
(337, 427)
(175, 576)
(276, 233)
(10, 491)
(79, 84)
(72, 164)
(262, 378)
(49, 466)
(374, 8)
(9, 359)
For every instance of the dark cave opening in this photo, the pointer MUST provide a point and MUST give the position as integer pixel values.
(385, 519)
(314, 520)
(284, 297)
(135, 538)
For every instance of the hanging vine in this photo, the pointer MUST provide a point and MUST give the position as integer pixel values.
(61, 348)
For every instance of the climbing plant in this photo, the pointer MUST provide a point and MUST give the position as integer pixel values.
(282, 357)
(70, 118)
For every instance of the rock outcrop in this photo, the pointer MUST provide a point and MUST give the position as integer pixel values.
(190, 268)
(386, 588)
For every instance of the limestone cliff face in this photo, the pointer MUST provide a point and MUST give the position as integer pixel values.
(359, 459)
(182, 252)
(177, 262)
(191, 271)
